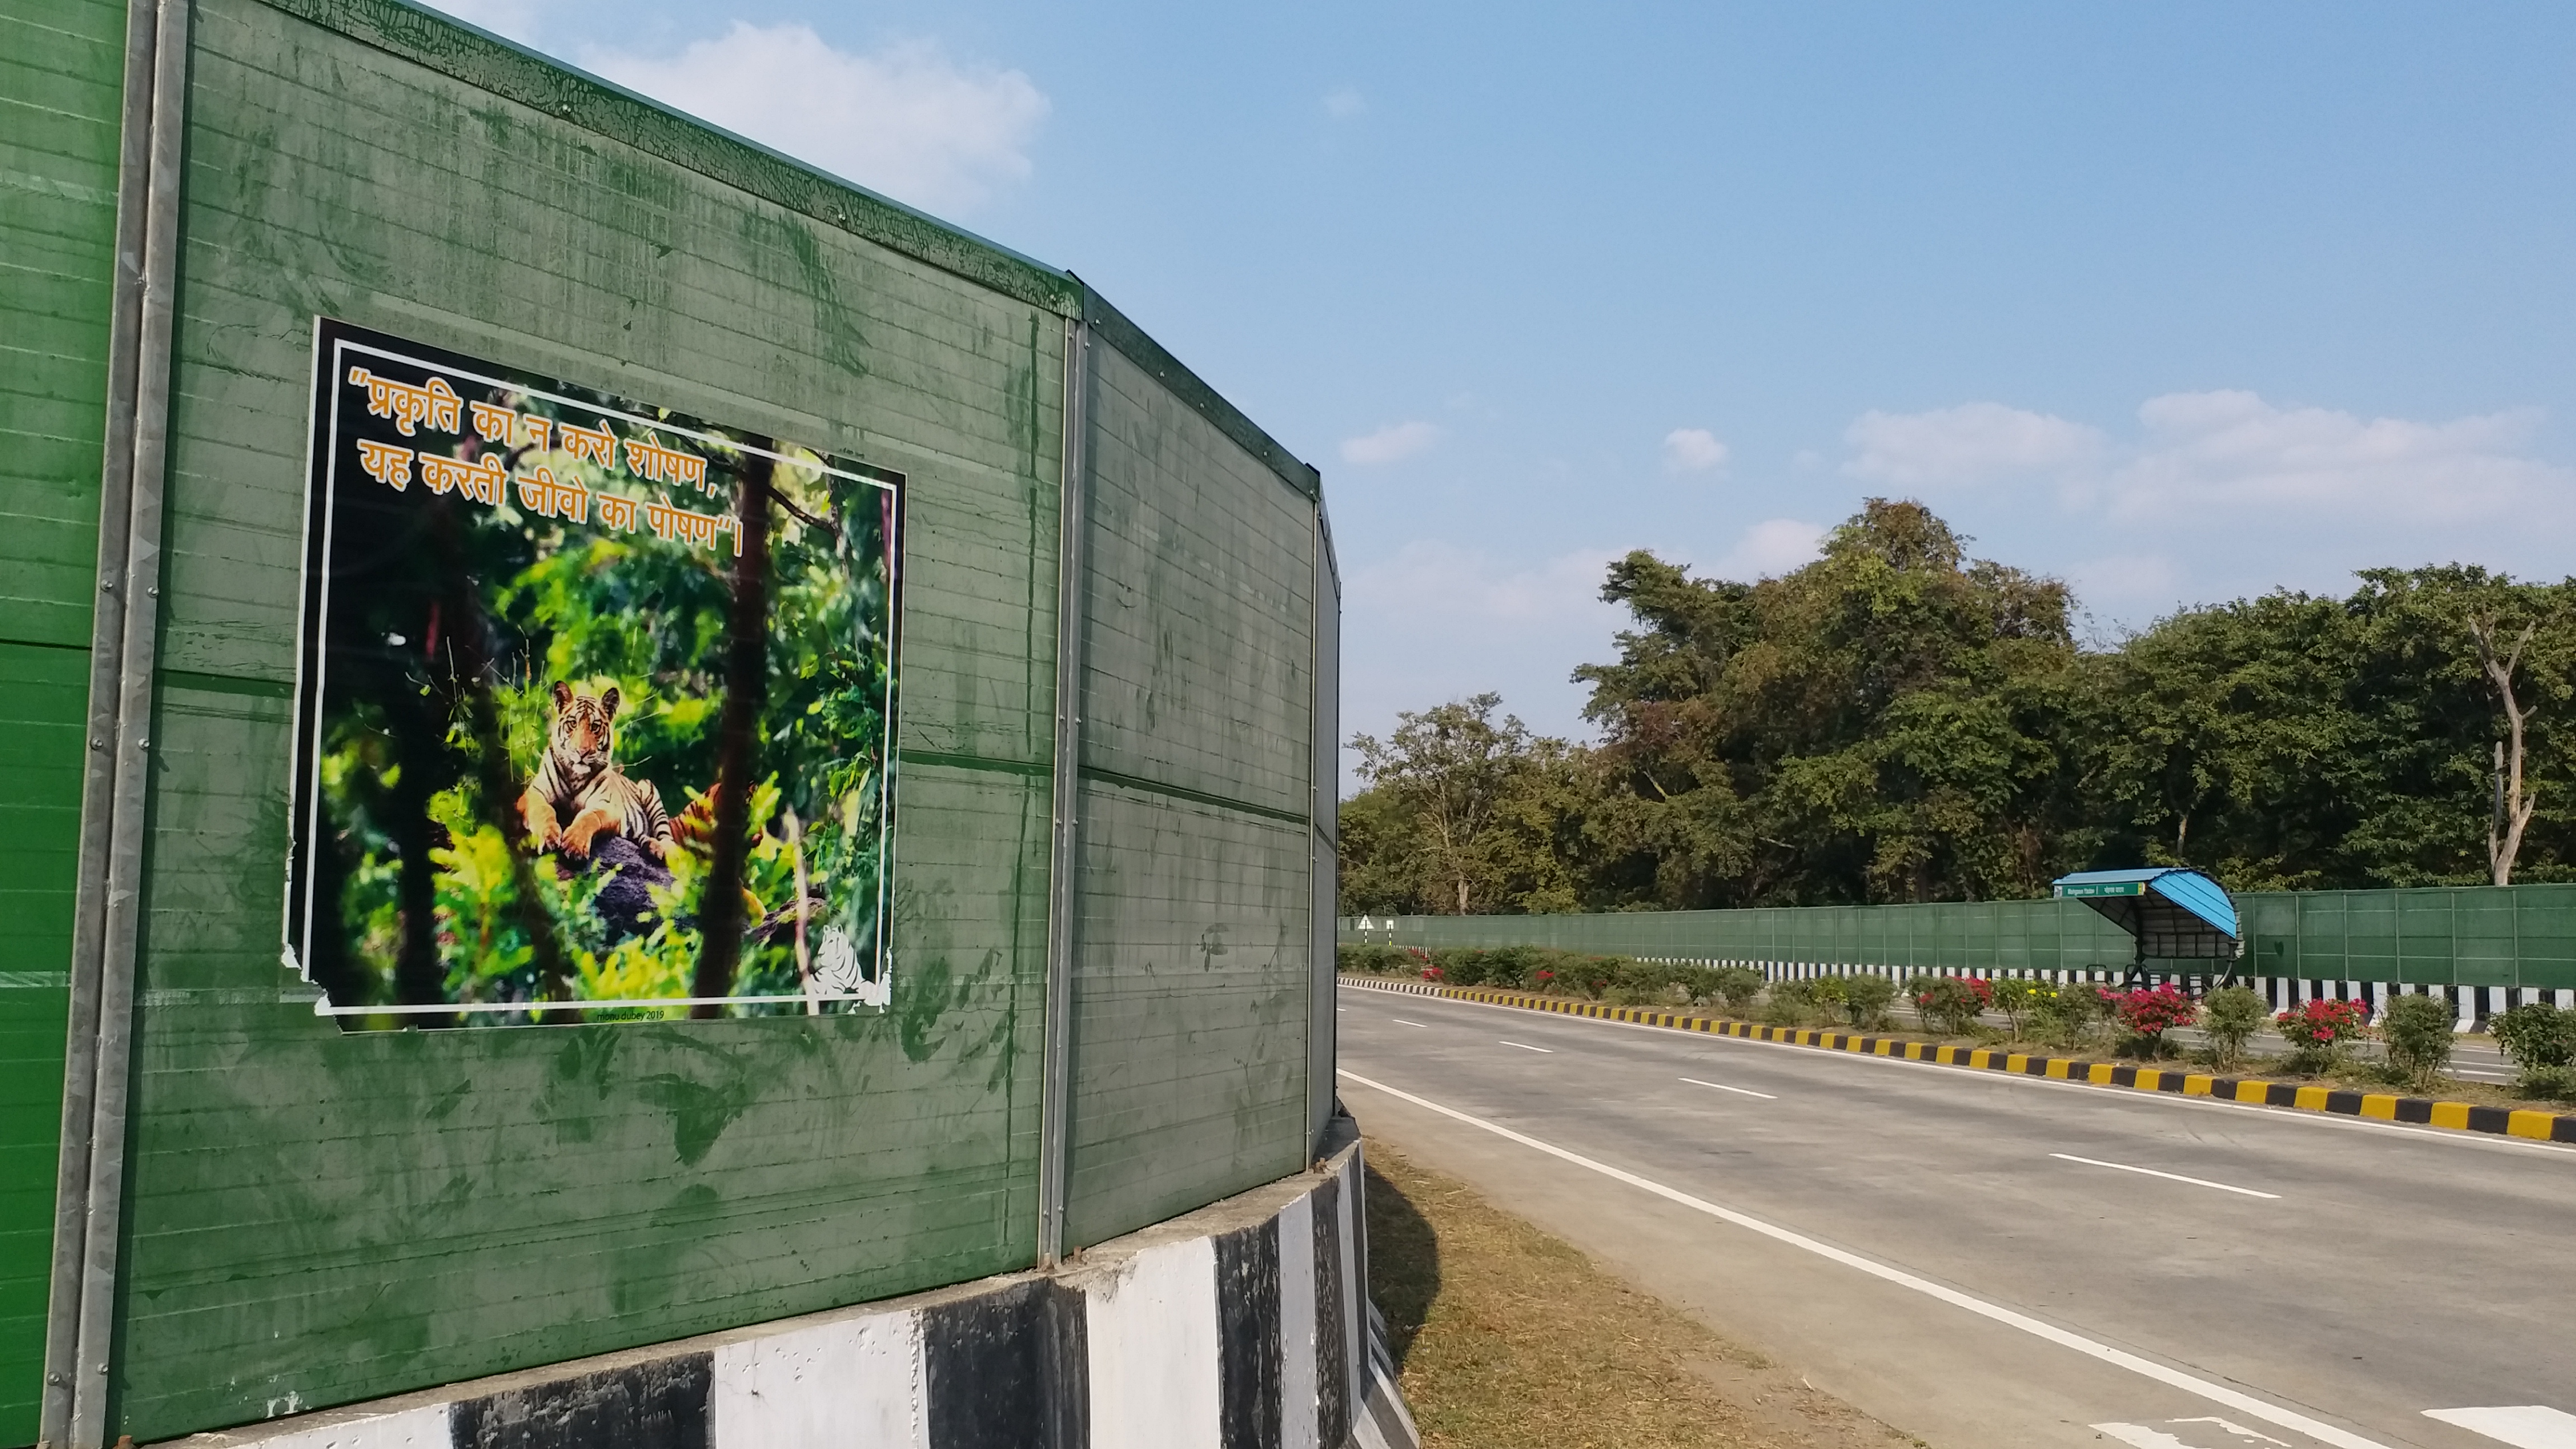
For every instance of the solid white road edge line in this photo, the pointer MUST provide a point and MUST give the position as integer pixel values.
(2168, 1176)
(1525, 1046)
(2333, 1121)
(2264, 1410)
(1723, 1087)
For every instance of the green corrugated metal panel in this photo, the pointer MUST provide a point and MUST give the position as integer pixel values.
(1190, 1008)
(1202, 584)
(2444, 936)
(314, 1216)
(318, 1217)
(1193, 939)
(61, 69)
(46, 694)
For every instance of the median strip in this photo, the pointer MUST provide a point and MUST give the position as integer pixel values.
(2382, 1106)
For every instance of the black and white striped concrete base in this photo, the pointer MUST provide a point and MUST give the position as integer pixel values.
(2472, 1005)
(1244, 1325)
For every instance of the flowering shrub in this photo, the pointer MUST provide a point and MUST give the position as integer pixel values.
(2151, 1012)
(2319, 1031)
(1950, 1004)
(2148, 1013)
(1431, 973)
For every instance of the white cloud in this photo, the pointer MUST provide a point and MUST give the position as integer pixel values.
(1975, 443)
(1693, 450)
(1343, 103)
(1431, 580)
(2233, 451)
(1769, 549)
(905, 120)
(2127, 581)
(2232, 455)
(1435, 622)
(1389, 444)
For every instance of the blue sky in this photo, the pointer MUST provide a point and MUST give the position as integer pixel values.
(2177, 302)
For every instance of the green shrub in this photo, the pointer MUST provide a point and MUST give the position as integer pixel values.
(2549, 1082)
(1865, 1000)
(2230, 1016)
(2540, 1040)
(1697, 983)
(2069, 1012)
(1374, 959)
(2017, 997)
(1459, 966)
(1592, 975)
(1828, 992)
(1646, 980)
(1737, 986)
(1789, 1003)
(2418, 1032)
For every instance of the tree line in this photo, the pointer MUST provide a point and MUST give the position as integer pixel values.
(1898, 721)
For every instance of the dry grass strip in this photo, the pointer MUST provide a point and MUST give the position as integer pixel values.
(1508, 1338)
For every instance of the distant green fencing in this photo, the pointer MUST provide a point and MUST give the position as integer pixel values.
(2519, 936)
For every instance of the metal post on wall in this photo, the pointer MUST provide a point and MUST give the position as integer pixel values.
(1324, 796)
(1072, 525)
(125, 631)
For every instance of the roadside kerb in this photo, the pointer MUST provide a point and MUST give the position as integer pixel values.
(2380, 1106)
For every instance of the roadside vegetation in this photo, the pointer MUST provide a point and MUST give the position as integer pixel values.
(1508, 1338)
(1900, 721)
(2333, 1042)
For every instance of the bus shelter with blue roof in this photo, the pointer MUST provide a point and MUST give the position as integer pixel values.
(2171, 912)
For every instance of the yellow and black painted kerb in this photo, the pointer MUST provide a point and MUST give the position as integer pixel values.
(2385, 1107)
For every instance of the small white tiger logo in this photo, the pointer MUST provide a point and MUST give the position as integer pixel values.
(838, 970)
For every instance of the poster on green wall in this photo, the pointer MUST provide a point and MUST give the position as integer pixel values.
(595, 705)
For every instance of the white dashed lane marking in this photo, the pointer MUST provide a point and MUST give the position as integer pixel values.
(1739, 1091)
(2167, 1176)
(1525, 1046)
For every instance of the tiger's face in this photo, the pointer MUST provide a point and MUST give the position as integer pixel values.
(585, 733)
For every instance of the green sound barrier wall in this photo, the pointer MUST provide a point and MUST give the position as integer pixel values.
(313, 1216)
(2443, 936)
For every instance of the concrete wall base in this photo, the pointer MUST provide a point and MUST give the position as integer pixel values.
(1244, 1325)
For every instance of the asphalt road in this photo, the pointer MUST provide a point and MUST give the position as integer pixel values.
(1983, 1260)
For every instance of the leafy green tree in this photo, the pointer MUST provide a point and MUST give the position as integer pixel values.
(1883, 724)
(1898, 721)
(1464, 813)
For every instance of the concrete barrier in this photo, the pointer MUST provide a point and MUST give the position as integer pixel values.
(1245, 1325)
